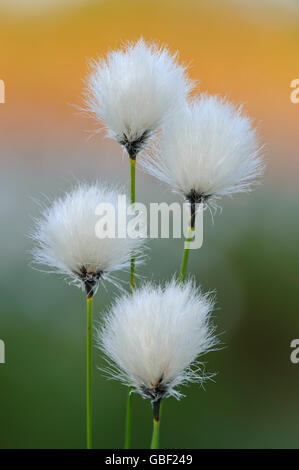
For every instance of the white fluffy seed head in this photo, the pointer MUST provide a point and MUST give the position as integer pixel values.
(66, 238)
(153, 338)
(134, 89)
(208, 149)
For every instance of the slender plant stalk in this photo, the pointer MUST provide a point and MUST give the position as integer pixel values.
(132, 283)
(185, 257)
(88, 374)
(156, 425)
(133, 168)
(155, 437)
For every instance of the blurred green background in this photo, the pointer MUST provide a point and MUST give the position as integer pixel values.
(246, 50)
(249, 256)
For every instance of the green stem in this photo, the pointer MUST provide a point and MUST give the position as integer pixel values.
(133, 168)
(156, 423)
(88, 372)
(156, 432)
(132, 283)
(185, 257)
(128, 421)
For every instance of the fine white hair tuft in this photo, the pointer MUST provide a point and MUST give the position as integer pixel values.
(67, 241)
(134, 89)
(153, 338)
(207, 150)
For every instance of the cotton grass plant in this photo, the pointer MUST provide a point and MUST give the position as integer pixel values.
(67, 243)
(133, 91)
(208, 149)
(153, 336)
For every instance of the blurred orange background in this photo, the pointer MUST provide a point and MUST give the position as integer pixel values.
(245, 50)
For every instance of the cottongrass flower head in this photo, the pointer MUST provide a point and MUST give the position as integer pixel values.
(153, 338)
(207, 150)
(134, 89)
(67, 242)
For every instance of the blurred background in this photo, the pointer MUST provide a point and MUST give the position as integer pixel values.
(246, 50)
